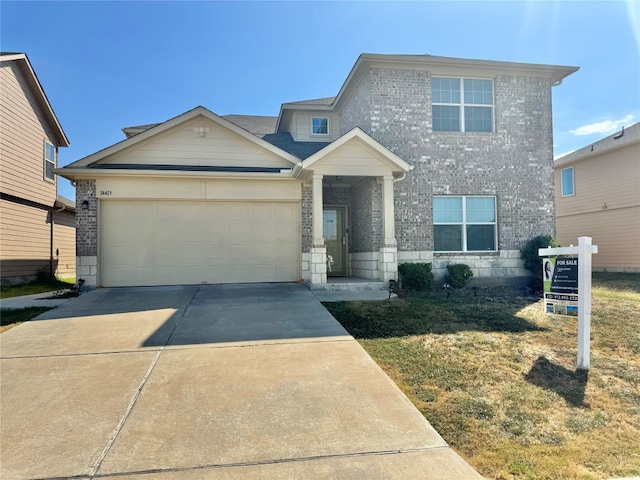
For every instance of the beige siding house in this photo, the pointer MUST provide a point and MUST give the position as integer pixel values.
(598, 195)
(414, 160)
(37, 227)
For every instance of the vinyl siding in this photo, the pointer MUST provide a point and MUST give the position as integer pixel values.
(25, 233)
(605, 206)
(23, 130)
(183, 146)
(616, 232)
(301, 131)
(64, 244)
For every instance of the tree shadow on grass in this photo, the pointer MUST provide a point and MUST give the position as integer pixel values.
(430, 314)
(569, 384)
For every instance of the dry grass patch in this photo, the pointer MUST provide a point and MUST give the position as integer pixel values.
(497, 378)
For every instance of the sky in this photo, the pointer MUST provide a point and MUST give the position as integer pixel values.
(108, 65)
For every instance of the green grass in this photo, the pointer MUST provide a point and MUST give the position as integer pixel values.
(12, 318)
(39, 286)
(497, 377)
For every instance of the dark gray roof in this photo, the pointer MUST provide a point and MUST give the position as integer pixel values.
(315, 101)
(301, 150)
(256, 124)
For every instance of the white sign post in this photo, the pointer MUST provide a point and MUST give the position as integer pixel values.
(584, 250)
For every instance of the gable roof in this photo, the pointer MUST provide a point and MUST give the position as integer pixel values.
(259, 125)
(448, 64)
(163, 127)
(22, 61)
(394, 161)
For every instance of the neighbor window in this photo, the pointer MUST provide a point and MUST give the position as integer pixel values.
(320, 126)
(567, 182)
(462, 104)
(464, 224)
(49, 160)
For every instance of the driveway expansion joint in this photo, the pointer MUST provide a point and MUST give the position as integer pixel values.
(271, 462)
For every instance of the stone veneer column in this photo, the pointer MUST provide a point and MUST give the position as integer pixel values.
(318, 263)
(388, 263)
(86, 232)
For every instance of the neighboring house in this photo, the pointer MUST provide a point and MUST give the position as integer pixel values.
(37, 227)
(598, 196)
(417, 159)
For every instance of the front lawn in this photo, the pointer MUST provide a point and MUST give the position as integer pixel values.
(13, 318)
(38, 286)
(497, 377)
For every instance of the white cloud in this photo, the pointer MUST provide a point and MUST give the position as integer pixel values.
(560, 155)
(602, 128)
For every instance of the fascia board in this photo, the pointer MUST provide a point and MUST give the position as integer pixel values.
(557, 72)
(35, 85)
(163, 127)
(606, 145)
(80, 173)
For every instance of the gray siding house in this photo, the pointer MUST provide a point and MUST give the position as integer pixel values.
(417, 158)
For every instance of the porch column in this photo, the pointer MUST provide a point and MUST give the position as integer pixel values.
(318, 264)
(388, 263)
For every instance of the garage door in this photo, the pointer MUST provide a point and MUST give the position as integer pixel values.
(191, 242)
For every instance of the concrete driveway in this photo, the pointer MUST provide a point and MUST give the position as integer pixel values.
(228, 382)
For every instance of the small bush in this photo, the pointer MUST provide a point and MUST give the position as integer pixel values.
(416, 277)
(458, 275)
(529, 252)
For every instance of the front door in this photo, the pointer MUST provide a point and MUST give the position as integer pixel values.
(335, 239)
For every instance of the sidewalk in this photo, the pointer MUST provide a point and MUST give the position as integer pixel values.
(35, 300)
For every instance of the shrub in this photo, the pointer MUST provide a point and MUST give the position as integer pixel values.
(529, 252)
(417, 277)
(458, 275)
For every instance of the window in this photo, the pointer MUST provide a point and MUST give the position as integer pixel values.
(462, 104)
(464, 224)
(49, 160)
(320, 126)
(567, 182)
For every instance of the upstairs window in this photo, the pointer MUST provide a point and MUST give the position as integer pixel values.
(320, 126)
(567, 182)
(49, 161)
(462, 104)
(464, 224)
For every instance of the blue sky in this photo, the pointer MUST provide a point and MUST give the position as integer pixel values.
(107, 65)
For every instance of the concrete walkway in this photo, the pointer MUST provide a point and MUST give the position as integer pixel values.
(225, 382)
(35, 300)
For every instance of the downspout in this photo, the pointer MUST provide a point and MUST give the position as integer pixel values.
(51, 212)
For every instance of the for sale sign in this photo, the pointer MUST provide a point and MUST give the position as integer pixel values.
(560, 281)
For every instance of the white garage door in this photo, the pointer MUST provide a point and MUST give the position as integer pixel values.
(190, 242)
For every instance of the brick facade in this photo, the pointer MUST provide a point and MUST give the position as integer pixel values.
(86, 219)
(514, 163)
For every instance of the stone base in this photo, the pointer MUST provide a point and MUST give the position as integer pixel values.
(318, 265)
(87, 270)
(505, 263)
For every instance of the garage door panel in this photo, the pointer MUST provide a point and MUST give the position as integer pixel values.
(193, 233)
(193, 242)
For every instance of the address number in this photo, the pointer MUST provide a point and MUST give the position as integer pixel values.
(105, 193)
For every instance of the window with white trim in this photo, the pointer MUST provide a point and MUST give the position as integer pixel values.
(567, 182)
(49, 161)
(462, 104)
(464, 224)
(320, 126)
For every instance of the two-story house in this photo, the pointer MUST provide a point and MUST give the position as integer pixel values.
(417, 158)
(37, 227)
(598, 196)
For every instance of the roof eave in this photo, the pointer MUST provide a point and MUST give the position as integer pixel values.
(80, 173)
(32, 79)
